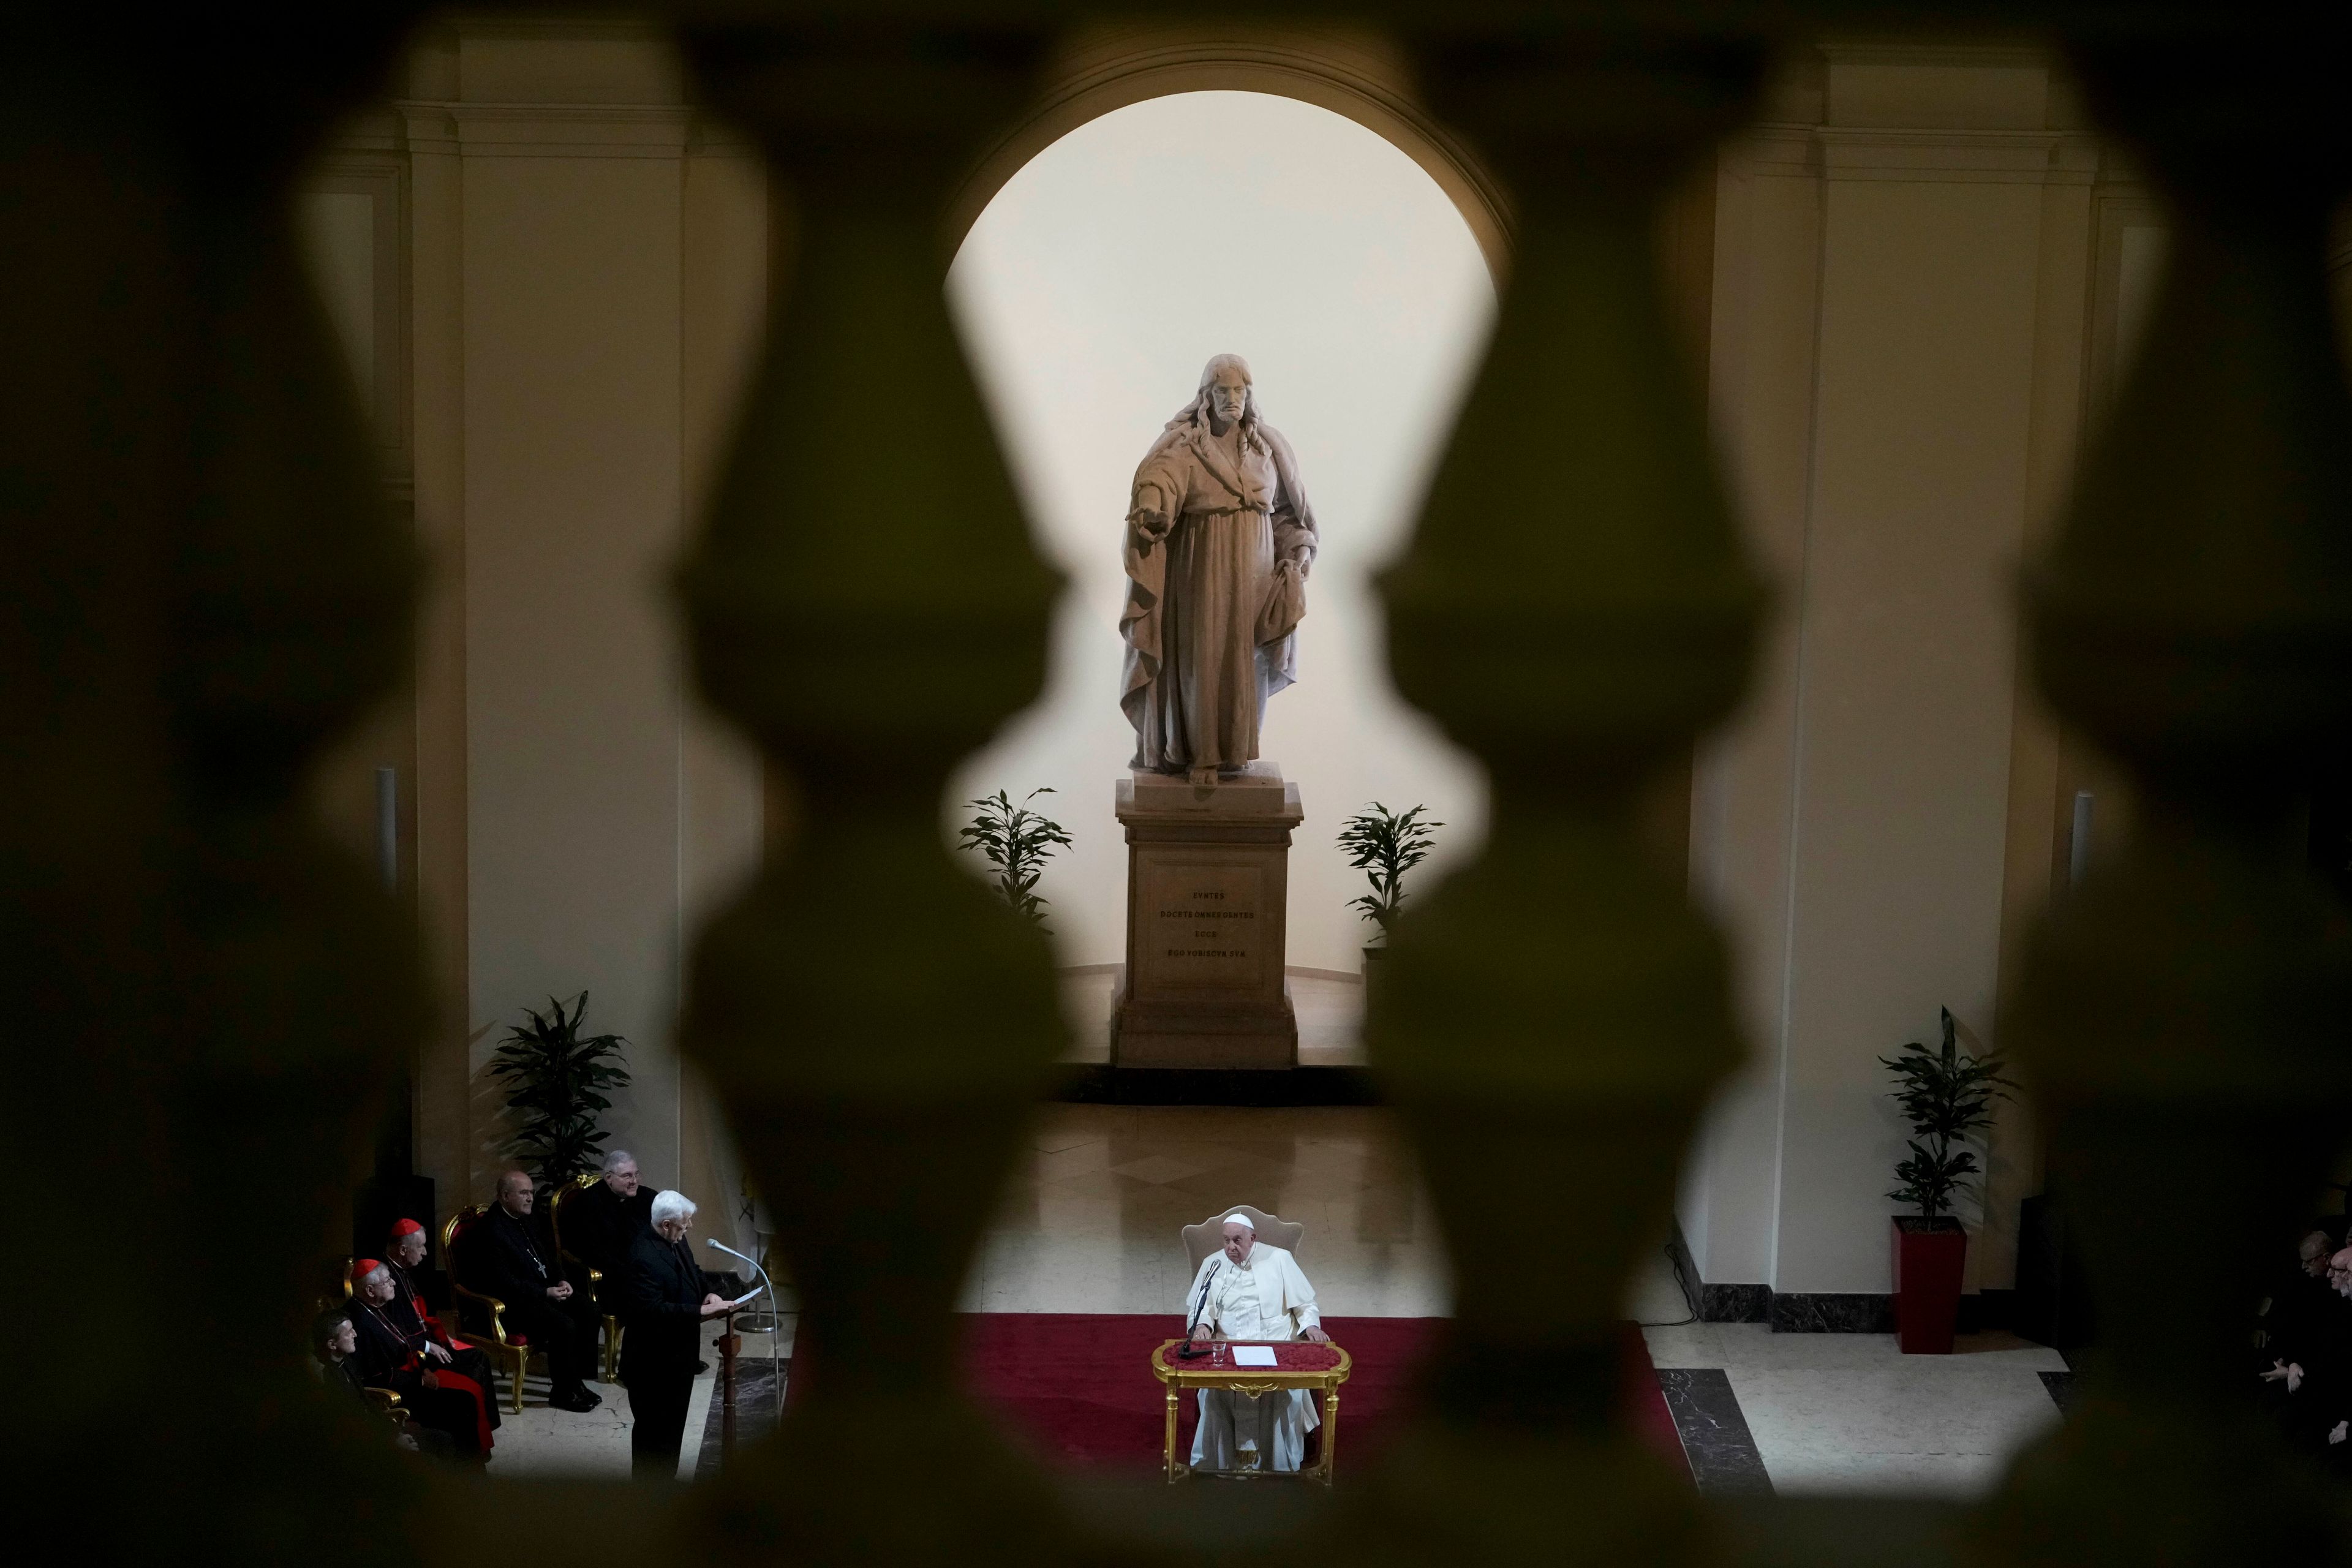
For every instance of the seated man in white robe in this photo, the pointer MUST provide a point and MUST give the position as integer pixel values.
(1253, 1291)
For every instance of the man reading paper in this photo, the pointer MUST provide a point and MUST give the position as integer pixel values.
(1253, 1291)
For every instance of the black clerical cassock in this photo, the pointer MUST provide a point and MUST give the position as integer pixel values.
(662, 1311)
(600, 1226)
(506, 1257)
(417, 1327)
(391, 1357)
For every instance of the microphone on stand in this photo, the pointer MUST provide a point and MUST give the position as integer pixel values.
(1189, 1351)
(775, 1315)
(713, 1241)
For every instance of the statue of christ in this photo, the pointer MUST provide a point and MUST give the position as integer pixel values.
(1219, 542)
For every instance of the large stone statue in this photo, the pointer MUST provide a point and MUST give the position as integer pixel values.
(1218, 542)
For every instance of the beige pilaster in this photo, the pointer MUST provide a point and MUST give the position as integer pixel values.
(1892, 352)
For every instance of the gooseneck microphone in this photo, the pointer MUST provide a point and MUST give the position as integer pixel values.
(714, 1241)
(775, 1317)
(1192, 1351)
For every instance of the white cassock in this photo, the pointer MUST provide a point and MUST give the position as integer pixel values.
(1264, 1298)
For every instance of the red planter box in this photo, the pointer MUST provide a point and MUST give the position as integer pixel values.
(1929, 1256)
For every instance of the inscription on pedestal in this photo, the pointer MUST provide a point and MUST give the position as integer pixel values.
(1206, 874)
(1204, 924)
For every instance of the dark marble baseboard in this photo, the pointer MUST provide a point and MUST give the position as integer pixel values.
(1831, 1312)
(1824, 1313)
(1736, 1303)
(1715, 1440)
(1798, 1311)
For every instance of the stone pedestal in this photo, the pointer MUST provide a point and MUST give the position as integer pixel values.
(1208, 881)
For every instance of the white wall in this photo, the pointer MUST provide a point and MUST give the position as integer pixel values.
(1092, 290)
(590, 270)
(1884, 305)
(572, 509)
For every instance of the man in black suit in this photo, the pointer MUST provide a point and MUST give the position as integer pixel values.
(508, 1256)
(665, 1301)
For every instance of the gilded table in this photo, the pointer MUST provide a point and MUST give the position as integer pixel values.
(1299, 1363)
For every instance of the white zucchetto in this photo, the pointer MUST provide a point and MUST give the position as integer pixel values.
(1243, 1220)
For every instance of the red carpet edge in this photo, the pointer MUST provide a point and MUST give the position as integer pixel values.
(1076, 1387)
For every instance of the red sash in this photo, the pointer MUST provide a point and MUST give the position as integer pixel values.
(457, 1383)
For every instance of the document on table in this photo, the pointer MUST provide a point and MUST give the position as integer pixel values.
(1252, 1355)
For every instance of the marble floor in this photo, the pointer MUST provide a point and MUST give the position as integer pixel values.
(1090, 1226)
(541, 1441)
(1847, 1413)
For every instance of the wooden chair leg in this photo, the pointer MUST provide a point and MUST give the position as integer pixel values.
(612, 1349)
(522, 1360)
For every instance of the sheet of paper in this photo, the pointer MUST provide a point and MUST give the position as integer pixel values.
(1252, 1355)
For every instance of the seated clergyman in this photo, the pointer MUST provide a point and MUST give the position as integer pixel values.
(1250, 1290)
(604, 1221)
(336, 1346)
(398, 1352)
(408, 1314)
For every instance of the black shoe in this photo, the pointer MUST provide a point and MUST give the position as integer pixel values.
(700, 1367)
(577, 1400)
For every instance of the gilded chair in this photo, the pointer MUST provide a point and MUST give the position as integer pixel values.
(382, 1400)
(563, 1195)
(512, 1351)
(1202, 1239)
(387, 1404)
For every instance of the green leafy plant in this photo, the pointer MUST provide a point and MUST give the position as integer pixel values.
(1947, 1096)
(558, 1077)
(1384, 846)
(1017, 842)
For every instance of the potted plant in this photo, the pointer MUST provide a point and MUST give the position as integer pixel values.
(1017, 842)
(1947, 1096)
(1384, 846)
(556, 1079)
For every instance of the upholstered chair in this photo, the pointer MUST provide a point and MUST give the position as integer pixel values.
(510, 1351)
(1202, 1239)
(563, 1195)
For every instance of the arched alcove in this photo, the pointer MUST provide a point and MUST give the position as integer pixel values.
(1094, 283)
(1355, 74)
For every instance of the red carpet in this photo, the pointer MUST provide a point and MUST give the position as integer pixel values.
(1078, 1386)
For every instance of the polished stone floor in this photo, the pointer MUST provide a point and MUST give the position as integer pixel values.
(542, 1442)
(1090, 1226)
(1845, 1413)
